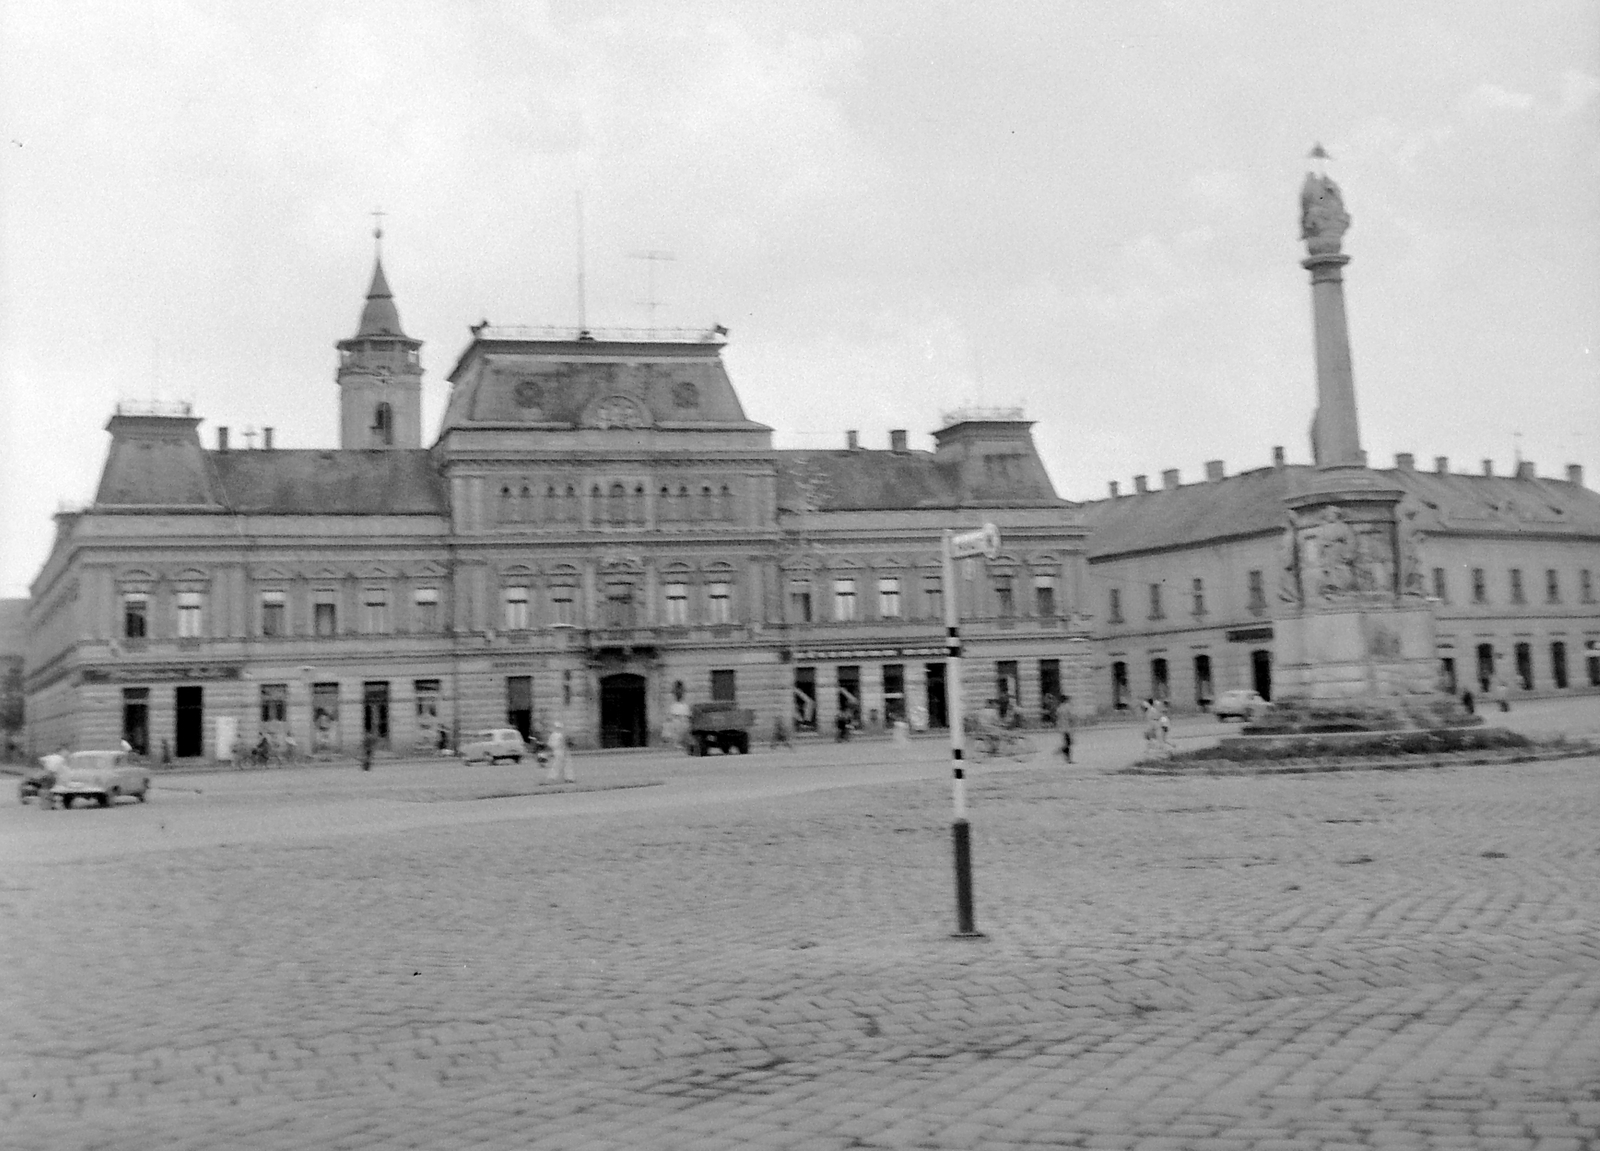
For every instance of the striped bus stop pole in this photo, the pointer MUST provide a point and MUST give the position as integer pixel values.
(960, 829)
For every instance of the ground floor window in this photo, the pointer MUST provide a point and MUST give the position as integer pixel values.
(324, 715)
(849, 695)
(805, 699)
(1007, 687)
(938, 701)
(429, 733)
(1447, 674)
(1558, 663)
(519, 703)
(189, 715)
(1261, 672)
(894, 693)
(1159, 684)
(1049, 689)
(136, 718)
(1203, 691)
(1485, 666)
(1119, 684)
(1524, 656)
(723, 687)
(375, 710)
(1594, 671)
(274, 703)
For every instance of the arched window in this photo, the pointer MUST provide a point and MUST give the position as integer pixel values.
(571, 511)
(664, 508)
(638, 504)
(618, 510)
(383, 423)
(525, 510)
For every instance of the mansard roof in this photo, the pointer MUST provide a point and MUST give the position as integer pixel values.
(863, 479)
(509, 376)
(1251, 503)
(347, 481)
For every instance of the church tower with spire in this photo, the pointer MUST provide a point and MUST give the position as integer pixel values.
(380, 374)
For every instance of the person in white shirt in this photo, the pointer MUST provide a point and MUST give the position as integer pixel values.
(560, 756)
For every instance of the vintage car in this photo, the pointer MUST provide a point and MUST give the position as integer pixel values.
(40, 778)
(1239, 704)
(98, 775)
(494, 745)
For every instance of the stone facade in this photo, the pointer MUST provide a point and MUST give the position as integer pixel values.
(597, 531)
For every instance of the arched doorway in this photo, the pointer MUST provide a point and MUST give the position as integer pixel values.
(623, 722)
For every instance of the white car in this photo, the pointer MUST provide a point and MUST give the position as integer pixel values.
(1239, 704)
(494, 745)
(98, 775)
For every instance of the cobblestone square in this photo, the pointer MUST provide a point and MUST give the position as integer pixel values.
(755, 952)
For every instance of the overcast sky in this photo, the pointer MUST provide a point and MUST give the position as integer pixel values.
(1090, 209)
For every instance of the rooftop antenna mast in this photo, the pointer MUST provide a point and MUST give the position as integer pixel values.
(1516, 449)
(583, 303)
(651, 257)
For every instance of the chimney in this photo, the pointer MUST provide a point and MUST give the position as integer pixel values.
(1277, 457)
(1441, 464)
(897, 439)
(1169, 479)
(222, 439)
(1488, 467)
(1525, 470)
(1116, 488)
(266, 438)
(1139, 485)
(1575, 475)
(1405, 461)
(1214, 471)
(852, 440)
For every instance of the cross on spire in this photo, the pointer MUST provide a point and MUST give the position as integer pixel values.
(377, 215)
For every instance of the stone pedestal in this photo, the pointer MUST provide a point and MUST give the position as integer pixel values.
(1355, 651)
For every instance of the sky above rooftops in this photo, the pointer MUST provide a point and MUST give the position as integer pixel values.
(897, 208)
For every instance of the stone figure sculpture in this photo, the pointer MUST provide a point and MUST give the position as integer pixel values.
(1323, 220)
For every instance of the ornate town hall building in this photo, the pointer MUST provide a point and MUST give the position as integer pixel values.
(598, 531)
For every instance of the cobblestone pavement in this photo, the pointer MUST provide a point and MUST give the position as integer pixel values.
(756, 953)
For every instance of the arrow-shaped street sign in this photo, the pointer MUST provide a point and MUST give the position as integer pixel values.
(983, 542)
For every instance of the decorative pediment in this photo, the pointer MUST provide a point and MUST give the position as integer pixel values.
(717, 566)
(805, 563)
(376, 572)
(137, 575)
(617, 411)
(516, 570)
(428, 570)
(272, 573)
(192, 576)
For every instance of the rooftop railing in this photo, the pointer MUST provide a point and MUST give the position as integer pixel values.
(712, 335)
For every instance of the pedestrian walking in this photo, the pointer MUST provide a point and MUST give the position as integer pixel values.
(1466, 702)
(367, 742)
(1152, 726)
(560, 756)
(1500, 693)
(1164, 721)
(780, 734)
(1064, 726)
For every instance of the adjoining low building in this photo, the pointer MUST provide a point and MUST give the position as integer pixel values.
(598, 532)
(1185, 579)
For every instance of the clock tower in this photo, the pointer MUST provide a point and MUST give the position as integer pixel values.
(380, 376)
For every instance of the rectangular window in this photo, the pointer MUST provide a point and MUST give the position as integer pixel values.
(1155, 602)
(1198, 592)
(889, 597)
(719, 602)
(1558, 663)
(274, 703)
(799, 601)
(135, 615)
(514, 617)
(1480, 586)
(563, 605)
(933, 596)
(1516, 586)
(1115, 612)
(677, 603)
(1007, 686)
(425, 615)
(1044, 596)
(1552, 586)
(1585, 586)
(1258, 592)
(428, 692)
(273, 609)
(136, 718)
(1441, 587)
(619, 604)
(894, 693)
(1005, 604)
(375, 610)
(189, 622)
(844, 600)
(722, 686)
(324, 615)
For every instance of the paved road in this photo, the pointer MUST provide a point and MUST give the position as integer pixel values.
(732, 953)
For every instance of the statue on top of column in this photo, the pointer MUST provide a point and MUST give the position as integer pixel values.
(1323, 220)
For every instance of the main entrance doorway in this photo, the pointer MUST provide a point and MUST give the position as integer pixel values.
(623, 721)
(1261, 672)
(189, 722)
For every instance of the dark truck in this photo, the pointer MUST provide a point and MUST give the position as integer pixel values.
(720, 725)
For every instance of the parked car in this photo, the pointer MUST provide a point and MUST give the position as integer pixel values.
(99, 775)
(38, 779)
(1239, 704)
(494, 745)
(720, 725)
